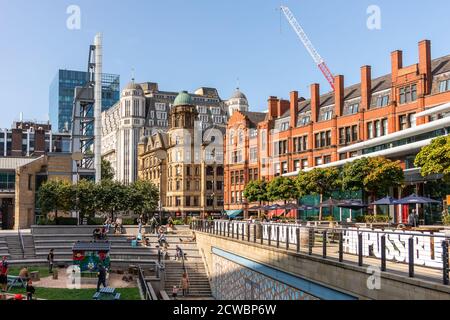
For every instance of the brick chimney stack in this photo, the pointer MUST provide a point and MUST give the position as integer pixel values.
(396, 63)
(315, 101)
(338, 95)
(425, 64)
(273, 107)
(294, 108)
(366, 87)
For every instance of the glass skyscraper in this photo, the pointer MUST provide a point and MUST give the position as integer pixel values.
(62, 91)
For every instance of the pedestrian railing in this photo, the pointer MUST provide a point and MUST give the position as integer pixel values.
(363, 246)
(149, 293)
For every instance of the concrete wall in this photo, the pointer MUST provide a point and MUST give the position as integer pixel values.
(345, 278)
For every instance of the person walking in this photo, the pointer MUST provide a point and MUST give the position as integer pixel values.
(4, 274)
(30, 290)
(174, 292)
(50, 259)
(101, 276)
(185, 284)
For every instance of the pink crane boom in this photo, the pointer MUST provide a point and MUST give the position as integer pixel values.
(309, 46)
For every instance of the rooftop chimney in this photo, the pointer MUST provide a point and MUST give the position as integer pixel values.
(396, 63)
(315, 101)
(366, 87)
(339, 95)
(425, 63)
(294, 108)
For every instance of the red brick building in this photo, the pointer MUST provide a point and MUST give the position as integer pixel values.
(393, 116)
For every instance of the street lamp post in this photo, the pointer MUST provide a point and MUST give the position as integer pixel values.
(161, 155)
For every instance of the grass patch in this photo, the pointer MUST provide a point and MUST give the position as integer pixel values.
(82, 294)
(15, 270)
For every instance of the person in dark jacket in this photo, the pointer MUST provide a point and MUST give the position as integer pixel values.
(30, 290)
(50, 259)
(101, 277)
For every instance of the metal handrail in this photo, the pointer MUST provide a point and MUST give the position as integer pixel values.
(149, 293)
(21, 243)
(273, 239)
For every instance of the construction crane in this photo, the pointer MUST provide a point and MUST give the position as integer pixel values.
(309, 46)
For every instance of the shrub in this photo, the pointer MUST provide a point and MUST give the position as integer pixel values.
(67, 221)
(329, 218)
(375, 219)
(178, 222)
(128, 222)
(446, 220)
(95, 221)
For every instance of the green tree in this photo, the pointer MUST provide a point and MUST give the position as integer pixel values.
(321, 181)
(282, 188)
(256, 191)
(112, 197)
(143, 196)
(375, 175)
(56, 195)
(87, 193)
(107, 170)
(435, 158)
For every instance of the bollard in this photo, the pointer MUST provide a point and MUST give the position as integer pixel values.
(254, 233)
(262, 237)
(270, 234)
(341, 247)
(287, 238)
(324, 244)
(383, 252)
(360, 250)
(237, 232)
(243, 233)
(278, 236)
(297, 235)
(248, 232)
(228, 229)
(411, 257)
(445, 264)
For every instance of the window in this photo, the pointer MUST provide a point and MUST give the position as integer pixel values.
(209, 185)
(323, 139)
(160, 106)
(284, 126)
(408, 94)
(253, 154)
(219, 185)
(377, 128)
(354, 133)
(327, 159)
(444, 85)
(300, 144)
(382, 101)
(305, 163)
(285, 167)
(407, 121)
(297, 165)
(188, 185)
(370, 130)
(352, 108)
(318, 161)
(385, 126)
(277, 169)
(188, 201)
(342, 156)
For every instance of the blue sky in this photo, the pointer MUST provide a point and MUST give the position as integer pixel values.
(185, 44)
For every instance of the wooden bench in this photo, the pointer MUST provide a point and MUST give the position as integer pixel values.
(96, 296)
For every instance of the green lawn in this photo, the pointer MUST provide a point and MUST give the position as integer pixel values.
(14, 271)
(82, 294)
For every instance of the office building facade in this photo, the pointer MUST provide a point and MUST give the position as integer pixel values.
(62, 91)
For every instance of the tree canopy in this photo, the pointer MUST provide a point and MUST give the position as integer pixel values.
(374, 175)
(282, 188)
(256, 190)
(107, 170)
(435, 158)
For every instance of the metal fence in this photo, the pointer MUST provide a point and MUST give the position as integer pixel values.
(355, 245)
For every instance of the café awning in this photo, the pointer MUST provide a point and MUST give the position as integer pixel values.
(234, 213)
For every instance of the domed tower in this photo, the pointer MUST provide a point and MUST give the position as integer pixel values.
(238, 102)
(132, 120)
(183, 113)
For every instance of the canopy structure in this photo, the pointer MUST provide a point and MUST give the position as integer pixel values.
(415, 199)
(352, 204)
(387, 201)
(329, 203)
(233, 213)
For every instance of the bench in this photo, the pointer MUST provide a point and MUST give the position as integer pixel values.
(16, 282)
(96, 296)
(117, 296)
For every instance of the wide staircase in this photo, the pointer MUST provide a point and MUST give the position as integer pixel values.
(14, 247)
(199, 286)
(4, 250)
